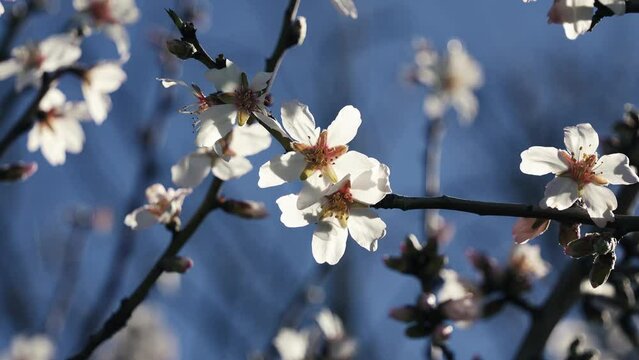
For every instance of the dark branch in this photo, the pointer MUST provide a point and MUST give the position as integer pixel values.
(288, 38)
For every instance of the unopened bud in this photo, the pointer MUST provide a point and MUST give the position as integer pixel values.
(427, 301)
(581, 247)
(17, 172)
(464, 309)
(246, 209)
(569, 233)
(180, 48)
(442, 333)
(410, 245)
(395, 263)
(416, 331)
(299, 30)
(179, 23)
(601, 268)
(404, 314)
(179, 264)
(605, 244)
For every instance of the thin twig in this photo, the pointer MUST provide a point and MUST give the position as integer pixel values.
(434, 139)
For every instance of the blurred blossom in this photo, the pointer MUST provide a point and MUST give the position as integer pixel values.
(109, 16)
(579, 173)
(100, 219)
(338, 345)
(606, 290)
(29, 62)
(452, 288)
(164, 206)
(346, 7)
(292, 344)
(526, 260)
(169, 282)
(57, 130)
(241, 142)
(145, 337)
(97, 83)
(37, 347)
(576, 15)
(452, 77)
(526, 229)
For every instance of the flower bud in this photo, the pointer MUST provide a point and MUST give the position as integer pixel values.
(395, 263)
(427, 301)
(299, 30)
(404, 314)
(416, 331)
(179, 264)
(464, 309)
(442, 333)
(583, 246)
(246, 209)
(601, 268)
(180, 48)
(19, 171)
(569, 233)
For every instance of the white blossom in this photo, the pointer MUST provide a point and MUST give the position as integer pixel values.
(57, 129)
(451, 77)
(346, 7)
(241, 142)
(576, 15)
(292, 344)
(237, 101)
(330, 324)
(341, 209)
(526, 260)
(97, 83)
(37, 347)
(203, 101)
(109, 16)
(579, 173)
(164, 206)
(320, 157)
(452, 288)
(29, 62)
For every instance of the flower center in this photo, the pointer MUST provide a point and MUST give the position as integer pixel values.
(582, 171)
(101, 12)
(337, 204)
(34, 59)
(320, 157)
(246, 99)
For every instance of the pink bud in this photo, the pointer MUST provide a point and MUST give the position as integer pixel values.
(526, 229)
(246, 209)
(179, 264)
(19, 171)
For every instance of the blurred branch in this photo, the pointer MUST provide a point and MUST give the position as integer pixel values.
(27, 119)
(16, 19)
(623, 223)
(119, 318)
(434, 139)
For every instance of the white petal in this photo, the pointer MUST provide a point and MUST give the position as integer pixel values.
(353, 163)
(235, 167)
(560, 193)
(97, 102)
(329, 241)
(293, 217)
(616, 169)
(371, 186)
(250, 140)
(70, 133)
(156, 193)
(366, 227)
(299, 122)
(227, 79)
(260, 81)
(581, 139)
(106, 77)
(465, 103)
(167, 83)
(281, 169)
(215, 123)
(330, 324)
(53, 99)
(120, 38)
(9, 68)
(540, 160)
(599, 201)
(346, 7)
(344, 128)
(140, 218)
(435, 105)
(59, 50)
(192, 169)
(309, 195)
(291, 344)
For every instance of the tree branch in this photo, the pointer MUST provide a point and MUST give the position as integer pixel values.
(287, 39)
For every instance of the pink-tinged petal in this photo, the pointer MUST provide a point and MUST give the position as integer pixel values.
(366, 227)
(299, 122)
(293, 217)
(329, 241)
(540, 160)
(616, 169)
(59, 50)
(215, 123)
(346, 7)
(260, 81)
(54, 98)
(192, 169)
(225, 80)
(581, 139)
(344, 128)
(600, 202)
(281, 169)
(526, 229)
(9, 68)
(560, 193)
(140, 218)
(233, 168)
(352, 162)
(249, 140)
(308, 196)
(155, 193)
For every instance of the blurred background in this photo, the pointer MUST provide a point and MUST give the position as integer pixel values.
(229, 305)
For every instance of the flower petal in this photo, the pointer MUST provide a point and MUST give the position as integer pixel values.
(526, 229)
(140, 218)
(560, 193)
(309, 195)
(616, 169)
(344, 128)
(8, 68)
(353, 163)
(281, 169)
(541, 160)
(599, 201)
(192, 169)
(366, 227)
(227, 79)
(581, 139)
(260, 81)
(235, 167)
(299, 122)
(346, 7)
(293, 217)
(249, 140)
(329, 241)
(59, 50)
(215, 123)
(371, 186)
